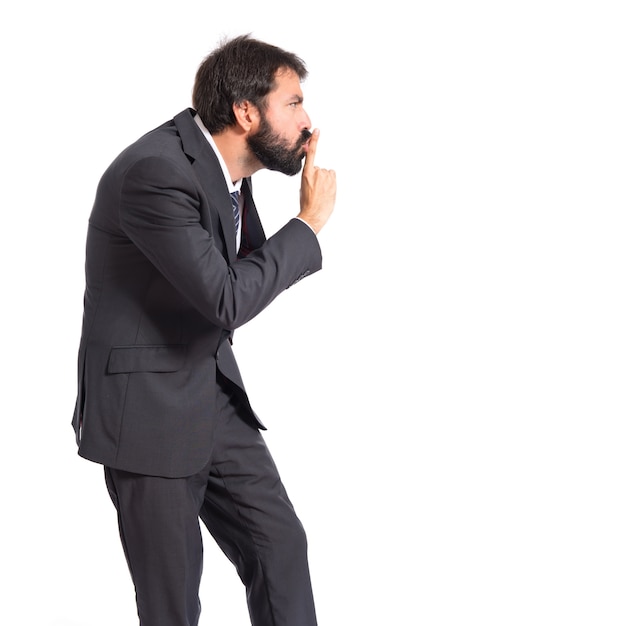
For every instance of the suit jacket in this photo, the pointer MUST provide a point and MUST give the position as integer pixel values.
(164, 291)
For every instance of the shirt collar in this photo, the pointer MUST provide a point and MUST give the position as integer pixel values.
(232, 186)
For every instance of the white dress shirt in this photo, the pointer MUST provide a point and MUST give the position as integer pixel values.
(232, 186)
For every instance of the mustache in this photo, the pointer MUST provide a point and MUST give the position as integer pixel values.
(304, 137)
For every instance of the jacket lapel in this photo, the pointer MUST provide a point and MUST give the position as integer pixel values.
(252, 235)
(208, 171)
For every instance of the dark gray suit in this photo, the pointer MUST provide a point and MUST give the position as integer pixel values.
(158, 383)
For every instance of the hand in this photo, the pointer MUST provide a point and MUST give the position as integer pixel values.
(318, 189)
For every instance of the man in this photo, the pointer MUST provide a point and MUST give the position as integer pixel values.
(175, 263)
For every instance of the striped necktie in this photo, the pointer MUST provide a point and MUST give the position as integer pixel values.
(234, 196)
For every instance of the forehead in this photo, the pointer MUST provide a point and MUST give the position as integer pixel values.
(286, 84)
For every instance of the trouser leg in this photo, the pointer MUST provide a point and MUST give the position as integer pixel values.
(162, 541)
(247, 511)
(243, 503)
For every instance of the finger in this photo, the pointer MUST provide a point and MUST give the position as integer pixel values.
(310, 152)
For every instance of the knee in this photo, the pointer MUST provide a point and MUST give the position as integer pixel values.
(291, 538)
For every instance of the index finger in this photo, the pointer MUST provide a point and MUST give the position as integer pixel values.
(310, 151)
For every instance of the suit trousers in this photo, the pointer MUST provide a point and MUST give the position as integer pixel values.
(240, 498)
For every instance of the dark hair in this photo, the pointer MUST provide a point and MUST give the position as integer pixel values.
(240, 69)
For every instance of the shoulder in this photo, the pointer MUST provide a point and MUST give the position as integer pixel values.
(160, 148)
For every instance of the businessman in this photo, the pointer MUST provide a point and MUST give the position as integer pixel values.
(176, 260)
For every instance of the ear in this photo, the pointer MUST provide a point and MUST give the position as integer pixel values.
(246, 114)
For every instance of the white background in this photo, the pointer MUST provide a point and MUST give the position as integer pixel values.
(445, 400)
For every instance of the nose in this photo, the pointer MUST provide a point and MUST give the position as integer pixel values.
(306, 121)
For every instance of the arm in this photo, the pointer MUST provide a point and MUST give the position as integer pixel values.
(160, 213)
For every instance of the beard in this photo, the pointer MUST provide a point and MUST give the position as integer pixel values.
(273, 151)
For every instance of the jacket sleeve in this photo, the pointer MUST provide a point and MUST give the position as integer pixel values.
(160, 213)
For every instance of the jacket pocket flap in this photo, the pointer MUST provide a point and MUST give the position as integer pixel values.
(126, 359)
